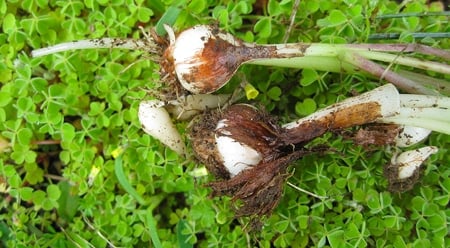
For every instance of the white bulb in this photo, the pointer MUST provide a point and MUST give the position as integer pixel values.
(236, 157)
(410, 161)
(187, 54)
(156, 122)
(411, 135)
(205, 59)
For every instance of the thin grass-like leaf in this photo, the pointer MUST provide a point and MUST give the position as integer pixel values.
(182, 238)
(118, 168)
(152, 229)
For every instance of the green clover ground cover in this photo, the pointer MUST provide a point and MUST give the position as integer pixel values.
(76, 170)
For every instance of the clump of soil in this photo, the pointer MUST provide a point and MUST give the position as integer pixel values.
(202, 137)
(376, 134)
(396, 185)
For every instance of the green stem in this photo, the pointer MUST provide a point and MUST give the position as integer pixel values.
(436, 114)
(380, 72)
(430, 82)
(435, 125)
(407, 61)
(122, 43)
(332, 64)
(421, 14)
(354, 57)
(421, 101)
(415, 35)
(402, 48)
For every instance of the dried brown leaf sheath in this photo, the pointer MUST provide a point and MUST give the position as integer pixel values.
(356, 115)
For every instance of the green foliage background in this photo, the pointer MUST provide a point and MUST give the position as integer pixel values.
(63, 116)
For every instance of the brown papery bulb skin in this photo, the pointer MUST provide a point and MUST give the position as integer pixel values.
(205, 59)
(259, 186)
(251, 127)
(244, 124)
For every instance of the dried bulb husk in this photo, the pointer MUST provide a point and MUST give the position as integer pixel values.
(238, 137)
(259, 188)
(257, 182)
(245, 128)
